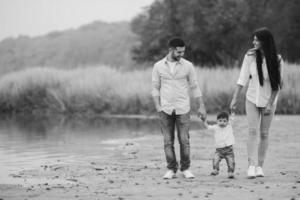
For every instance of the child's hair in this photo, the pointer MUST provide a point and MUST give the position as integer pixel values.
(223, 115)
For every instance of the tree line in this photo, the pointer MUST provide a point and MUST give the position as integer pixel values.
(217, 32)
(89, 45)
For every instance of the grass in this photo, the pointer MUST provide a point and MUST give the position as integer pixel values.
(106, 90)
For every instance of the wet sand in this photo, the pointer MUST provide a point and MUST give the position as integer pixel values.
(138, 176)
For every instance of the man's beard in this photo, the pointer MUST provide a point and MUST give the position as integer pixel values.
(177, 58)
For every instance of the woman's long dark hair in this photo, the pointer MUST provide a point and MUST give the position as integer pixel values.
(272, 61)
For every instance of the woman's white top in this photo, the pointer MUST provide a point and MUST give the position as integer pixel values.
(257, 94)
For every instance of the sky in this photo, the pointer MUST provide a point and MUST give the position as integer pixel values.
(38, 17)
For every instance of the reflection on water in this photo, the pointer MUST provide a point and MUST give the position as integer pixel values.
(31, 141)
(29, 137)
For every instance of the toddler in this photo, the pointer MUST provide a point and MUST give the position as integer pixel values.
(224, 141)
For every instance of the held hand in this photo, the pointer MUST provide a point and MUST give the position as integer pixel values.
(158, 109)
(159, 112)
(233, 105)
(232, 116)
(201, 113)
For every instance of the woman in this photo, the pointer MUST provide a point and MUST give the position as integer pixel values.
(261, 68)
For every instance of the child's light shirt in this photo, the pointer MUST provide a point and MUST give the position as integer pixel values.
(223, 136)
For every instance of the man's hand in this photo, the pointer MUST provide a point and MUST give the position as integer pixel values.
(201, 113)
(157, 104)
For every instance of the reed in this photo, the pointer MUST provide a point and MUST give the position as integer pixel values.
(94, 90)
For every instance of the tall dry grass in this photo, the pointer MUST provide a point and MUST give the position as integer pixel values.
(106, 90)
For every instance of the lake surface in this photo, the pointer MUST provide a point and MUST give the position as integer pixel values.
(30, 141)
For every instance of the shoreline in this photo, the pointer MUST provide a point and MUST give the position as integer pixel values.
(119, 176)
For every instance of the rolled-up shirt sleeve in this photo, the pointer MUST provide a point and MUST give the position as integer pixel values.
(196, 92)
(155, 82)
(245, 71)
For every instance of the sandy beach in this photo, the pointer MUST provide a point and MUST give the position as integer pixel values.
(119, 176)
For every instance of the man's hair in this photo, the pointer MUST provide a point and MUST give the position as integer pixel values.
(223, 115)
(176, 42)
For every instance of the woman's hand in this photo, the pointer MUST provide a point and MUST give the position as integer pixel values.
(270, 103)
(233, 105)
(267, 110)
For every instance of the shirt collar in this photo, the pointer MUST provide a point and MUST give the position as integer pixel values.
(179, 62)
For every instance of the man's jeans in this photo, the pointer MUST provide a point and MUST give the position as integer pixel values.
(168, 123)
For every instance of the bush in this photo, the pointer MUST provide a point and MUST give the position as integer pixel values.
(110, 91)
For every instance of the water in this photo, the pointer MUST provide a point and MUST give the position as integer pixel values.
(29, 142)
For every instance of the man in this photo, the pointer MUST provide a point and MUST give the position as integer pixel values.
(172, 77)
